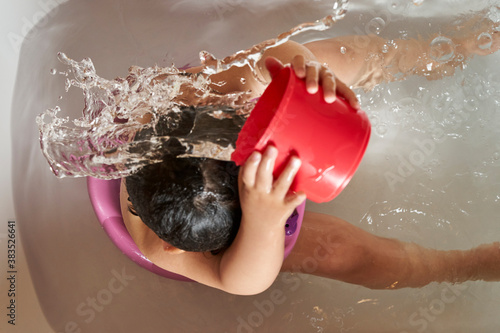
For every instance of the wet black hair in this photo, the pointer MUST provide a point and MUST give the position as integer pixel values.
(191, 203)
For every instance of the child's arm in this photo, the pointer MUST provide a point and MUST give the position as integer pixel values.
(254, 259)
(366, 61)
(302, 60)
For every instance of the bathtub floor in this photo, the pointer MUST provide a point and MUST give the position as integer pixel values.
(84, 283)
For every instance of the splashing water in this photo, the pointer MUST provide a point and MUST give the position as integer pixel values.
(131, 122)
(252, 55)
(114, 137)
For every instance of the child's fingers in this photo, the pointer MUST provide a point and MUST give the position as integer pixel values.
(284, 181)
(299, 66)
(328, 84)
(312, 74)
(249, 169)
(346, 92)
(295, 198)
(273, 65)
(264, 175)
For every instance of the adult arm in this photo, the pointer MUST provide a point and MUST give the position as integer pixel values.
(330, 247)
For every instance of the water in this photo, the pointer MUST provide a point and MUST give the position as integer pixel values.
(103, 142)
(252, 55)
(484, 41)
(449, 201)
(442, 49)
(376, 25)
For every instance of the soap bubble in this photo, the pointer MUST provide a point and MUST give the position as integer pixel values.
(398, 7)
(343, 50)
(442, 49)
(484, 41)
(373, 120)
(381, 129)
(375, 26)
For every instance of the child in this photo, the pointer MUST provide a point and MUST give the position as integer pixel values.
(245, 256)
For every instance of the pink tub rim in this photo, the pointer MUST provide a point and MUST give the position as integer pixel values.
(105, 198)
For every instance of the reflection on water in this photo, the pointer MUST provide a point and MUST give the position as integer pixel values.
(441, 193)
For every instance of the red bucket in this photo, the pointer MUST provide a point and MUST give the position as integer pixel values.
(330, 139)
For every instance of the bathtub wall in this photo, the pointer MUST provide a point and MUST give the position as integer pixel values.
(85, 284)
(17, 18)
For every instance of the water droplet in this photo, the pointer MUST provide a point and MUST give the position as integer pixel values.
(484, 41)
(494, 14)
(53, 71)
(385, 48)
(343, 50)
(442, 49)
(374, 120)
(381, 129)
(60, 97)
(496, 156)
(243, 80)
(418, 2)
(403, 34)
(375, 26)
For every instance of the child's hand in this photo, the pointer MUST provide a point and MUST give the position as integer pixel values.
(262, 199)
(315, 74)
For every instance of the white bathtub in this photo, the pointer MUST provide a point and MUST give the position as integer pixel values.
(84, 284)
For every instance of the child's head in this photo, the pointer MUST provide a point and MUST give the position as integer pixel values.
(191, 203)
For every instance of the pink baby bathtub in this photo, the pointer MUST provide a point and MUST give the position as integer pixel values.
(105, 198)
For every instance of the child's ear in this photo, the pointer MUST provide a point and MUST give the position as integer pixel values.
(171, 249)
